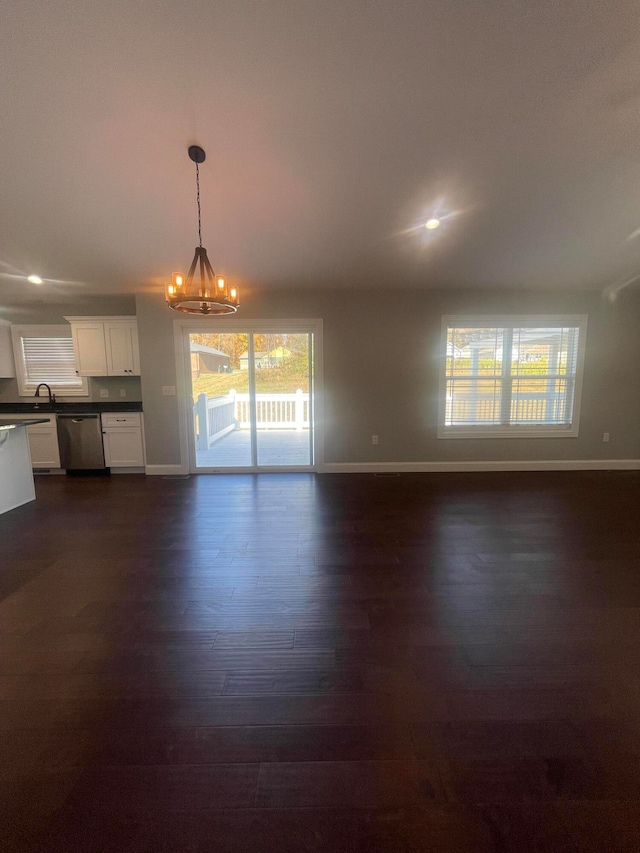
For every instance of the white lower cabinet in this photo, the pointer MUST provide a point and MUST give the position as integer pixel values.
(122, 439)
(43, 440)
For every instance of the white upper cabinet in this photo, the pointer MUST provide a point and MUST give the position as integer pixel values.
(135, 349)
(122, 349)
(89, 349)
(7, 365)
(106, 346)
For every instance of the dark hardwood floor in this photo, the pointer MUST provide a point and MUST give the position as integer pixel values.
(311, 663)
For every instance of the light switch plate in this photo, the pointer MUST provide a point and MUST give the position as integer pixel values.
(169, 390)
(104, 392)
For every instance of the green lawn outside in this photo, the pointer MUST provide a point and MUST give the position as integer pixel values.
(276, 380)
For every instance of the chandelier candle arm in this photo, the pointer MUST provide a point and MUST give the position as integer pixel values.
(212, 295)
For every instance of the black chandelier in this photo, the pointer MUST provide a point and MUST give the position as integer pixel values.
(210, 294)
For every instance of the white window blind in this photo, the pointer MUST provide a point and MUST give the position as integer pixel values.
(49, 360)
(45, 354)
(511, 378)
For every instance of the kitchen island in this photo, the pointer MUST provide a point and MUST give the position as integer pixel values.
(16, 476)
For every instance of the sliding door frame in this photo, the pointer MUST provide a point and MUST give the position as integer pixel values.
(181, 331)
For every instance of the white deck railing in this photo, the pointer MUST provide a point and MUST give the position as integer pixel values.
(216, 416)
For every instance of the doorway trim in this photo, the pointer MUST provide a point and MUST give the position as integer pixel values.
(181, 331)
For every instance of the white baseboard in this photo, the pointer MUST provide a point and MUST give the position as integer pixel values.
(134, 470)
(165, 470)
(444, 467)
(506, 465)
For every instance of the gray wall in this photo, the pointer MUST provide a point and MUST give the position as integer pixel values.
(113, 384)
(381, 373)
(54, 314)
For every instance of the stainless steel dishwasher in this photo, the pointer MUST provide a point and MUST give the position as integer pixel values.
(80, 441)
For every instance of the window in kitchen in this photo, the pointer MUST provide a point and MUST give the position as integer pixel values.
(45, 354)
(511, 376)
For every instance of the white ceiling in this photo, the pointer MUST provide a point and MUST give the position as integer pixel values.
(333, 130)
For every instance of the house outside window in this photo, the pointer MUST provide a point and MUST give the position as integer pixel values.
(45, 354)
(511, 376)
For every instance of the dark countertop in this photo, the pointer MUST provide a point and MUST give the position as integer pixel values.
(80, 408)
(7, 423)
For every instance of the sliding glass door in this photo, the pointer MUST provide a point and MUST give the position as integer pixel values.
(282, 381)
(252, 396)
(220, 386)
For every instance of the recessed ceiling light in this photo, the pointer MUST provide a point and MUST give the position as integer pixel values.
(35, 279)
(432, 223)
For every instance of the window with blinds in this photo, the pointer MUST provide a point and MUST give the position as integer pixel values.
(511, 376)
(49, 360)
(45, 354)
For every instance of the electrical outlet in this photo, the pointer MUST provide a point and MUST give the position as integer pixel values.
(169, 390)
(374, 439)
(104, 392)
(605, 436)
(123, 392)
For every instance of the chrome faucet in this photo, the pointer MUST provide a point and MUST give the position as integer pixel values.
(52, 397)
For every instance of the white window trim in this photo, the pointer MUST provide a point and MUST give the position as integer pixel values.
(517, 430)
(59, 331)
